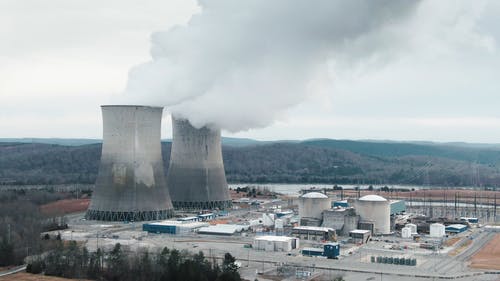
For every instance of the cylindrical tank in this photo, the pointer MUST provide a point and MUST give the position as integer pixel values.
(413, 227)
(406, 232)
(278, 224)
(312, 205)
(437, 230)
(196, 177)
(376, 209)
(130, 185)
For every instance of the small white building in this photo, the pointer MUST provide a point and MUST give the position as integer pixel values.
(223, 229)
(360, 235)
(275, 243)
(437, 230)
(268, 219)
(406, 232)
(413, 227)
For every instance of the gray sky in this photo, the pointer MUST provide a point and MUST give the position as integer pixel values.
(434, 75)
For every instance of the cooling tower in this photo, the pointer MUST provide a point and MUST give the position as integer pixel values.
(130, 185)
(196, 177)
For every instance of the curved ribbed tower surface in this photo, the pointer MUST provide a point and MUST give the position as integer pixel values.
(131, 183)
(196, 178)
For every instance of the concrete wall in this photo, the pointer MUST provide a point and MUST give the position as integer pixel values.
(196, 177)
(130, 184)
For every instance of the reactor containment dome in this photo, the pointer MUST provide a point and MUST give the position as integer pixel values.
(375, 209)
(312, 205)
(131, 184)
(196, 178)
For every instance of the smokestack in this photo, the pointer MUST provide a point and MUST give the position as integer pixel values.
(131, 184)
(196, 177)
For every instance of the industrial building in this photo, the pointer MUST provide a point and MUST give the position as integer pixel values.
(343, 220)
(397, 207)
(412, 227)
(275, 243)
(223, 229)
(469, 219)
(311, 207)
(130, 185)
(341, 203)
(329, 250)
(456, 228)
(314, 233)
(173, 227)
(196, 177)
(374, 209)
(437, 230)
(406, 232)
(360, 235)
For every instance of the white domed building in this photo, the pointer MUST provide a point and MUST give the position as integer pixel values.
(377, 210)
(312, 205)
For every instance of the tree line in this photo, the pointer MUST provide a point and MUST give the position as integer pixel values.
(271, 163)
(21, 223)
(71, 260)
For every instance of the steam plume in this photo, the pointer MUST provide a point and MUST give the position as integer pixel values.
(240, 64)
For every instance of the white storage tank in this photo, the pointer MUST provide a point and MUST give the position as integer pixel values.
(376, 209)
(312, 205)
(268, 219)
(406, 232)
(413, 227)
(278, 224)
(437, 230)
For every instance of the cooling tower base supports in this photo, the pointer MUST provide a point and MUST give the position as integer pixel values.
(221, 205)
(128, 216)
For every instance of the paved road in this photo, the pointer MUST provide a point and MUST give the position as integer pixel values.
(13, 270)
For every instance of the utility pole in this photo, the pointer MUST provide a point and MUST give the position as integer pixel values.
(8, 233)
(475, 204)
(495, 208)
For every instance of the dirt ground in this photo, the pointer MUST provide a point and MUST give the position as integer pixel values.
(463, 195)
(65, 206)
(22, 276)
(452, 241)
(489, 256)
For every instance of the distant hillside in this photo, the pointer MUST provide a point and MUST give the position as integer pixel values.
(67, 142)
(466, 152)
(77, 142)
(312, 161)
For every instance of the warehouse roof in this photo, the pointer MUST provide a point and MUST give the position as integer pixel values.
(222, 229)
(360, 231)
(457, 226)
(372, 197)
(274, 238)
(314, 228)
(315, 195)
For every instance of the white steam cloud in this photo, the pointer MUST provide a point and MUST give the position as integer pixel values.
(240, 64)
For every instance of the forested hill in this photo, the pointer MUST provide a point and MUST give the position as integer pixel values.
(312, 161)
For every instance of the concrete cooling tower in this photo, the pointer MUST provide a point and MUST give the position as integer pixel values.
(131, 184)
(196, 177)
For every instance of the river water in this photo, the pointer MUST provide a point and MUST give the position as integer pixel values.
(294, 189)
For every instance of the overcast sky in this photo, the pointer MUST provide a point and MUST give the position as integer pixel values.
(435, 76)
